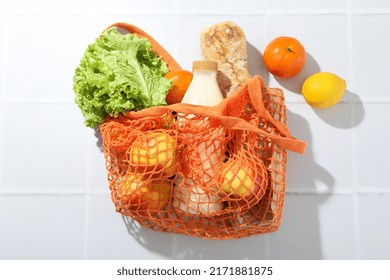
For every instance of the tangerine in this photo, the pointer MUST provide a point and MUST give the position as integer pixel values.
(284, 57)
(181, 81)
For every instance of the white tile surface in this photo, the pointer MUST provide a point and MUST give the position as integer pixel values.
(327, 165)
(44, 68)
(111, 237)
(372, 152)
(44, 148)
(338, 229)
(42, 226)
(374, 226)
(370, 71)
(313, 227)
(54, 197)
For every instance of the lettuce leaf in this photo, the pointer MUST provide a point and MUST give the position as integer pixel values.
(119, 73)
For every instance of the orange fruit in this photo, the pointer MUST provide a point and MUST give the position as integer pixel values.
(284, 57)
(181, 81)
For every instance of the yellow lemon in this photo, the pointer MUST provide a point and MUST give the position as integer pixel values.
(323, 89)
(154, 151)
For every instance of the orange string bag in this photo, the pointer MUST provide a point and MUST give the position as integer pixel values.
(211, 185)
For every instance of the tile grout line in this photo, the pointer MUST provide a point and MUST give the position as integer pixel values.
(354, 158)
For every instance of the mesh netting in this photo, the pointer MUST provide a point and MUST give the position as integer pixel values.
(213, 172)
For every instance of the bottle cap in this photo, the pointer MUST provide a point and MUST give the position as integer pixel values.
(205, 65)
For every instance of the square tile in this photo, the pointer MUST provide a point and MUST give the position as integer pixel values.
(315, 227)
(43, 69)
(372, 153)
(325, 38)
(44, 148)
(299, 235)
(370, 71)
(328, 163)
(336, 215)
(111, 236)
(374, 226)
(42, 227)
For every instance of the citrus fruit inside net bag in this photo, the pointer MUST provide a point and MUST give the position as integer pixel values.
(212, 172)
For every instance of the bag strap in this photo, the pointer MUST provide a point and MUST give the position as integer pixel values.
(254, 91)
(285, 140)
(255, 86)
(163, 53)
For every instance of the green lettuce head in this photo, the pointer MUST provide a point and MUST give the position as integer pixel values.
(119, 73)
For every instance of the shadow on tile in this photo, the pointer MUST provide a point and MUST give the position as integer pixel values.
(179, 246)
(294, 84)
(299, 236)
(154, 241)
(255, 63)
(99, 139)
(337, 116)
(302, 170)
(188, 247)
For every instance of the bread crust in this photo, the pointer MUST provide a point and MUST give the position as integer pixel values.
(225, 43)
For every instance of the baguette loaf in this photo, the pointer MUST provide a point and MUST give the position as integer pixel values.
(225, 43)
